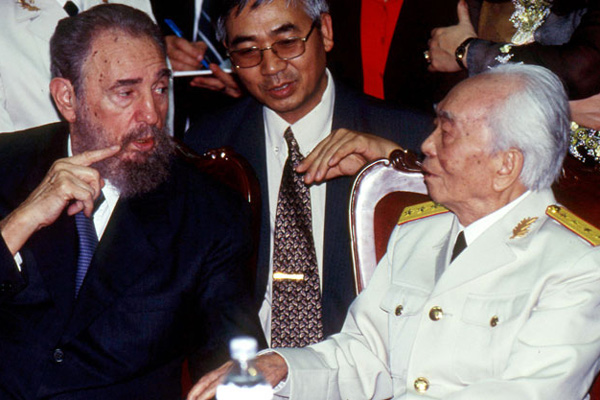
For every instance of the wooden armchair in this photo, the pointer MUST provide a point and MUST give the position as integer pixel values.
(385, 187)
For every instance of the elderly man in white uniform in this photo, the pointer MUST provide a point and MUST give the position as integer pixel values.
(27, 26)
(516, 314)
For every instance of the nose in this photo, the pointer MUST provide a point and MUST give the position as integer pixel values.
(271, 63)
(148, 110)
(428, 146)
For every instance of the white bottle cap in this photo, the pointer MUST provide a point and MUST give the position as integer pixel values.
(243, 348)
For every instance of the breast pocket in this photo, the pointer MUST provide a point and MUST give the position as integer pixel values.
(404, 305)
(487, 329)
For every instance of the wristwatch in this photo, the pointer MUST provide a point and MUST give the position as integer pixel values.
(460, 52)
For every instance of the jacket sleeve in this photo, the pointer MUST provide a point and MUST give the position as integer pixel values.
(353, 364)
(6, 124)
(12, 280)
(575, 60)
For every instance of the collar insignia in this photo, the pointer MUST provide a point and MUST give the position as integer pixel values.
(28, 5)
(522, 228)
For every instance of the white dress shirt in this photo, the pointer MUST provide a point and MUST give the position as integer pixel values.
(308, 131)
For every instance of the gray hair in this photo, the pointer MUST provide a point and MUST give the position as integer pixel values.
(534, 119)
(74, 36)
(313, 8)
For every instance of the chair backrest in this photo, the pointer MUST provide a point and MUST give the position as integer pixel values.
(385, 187)
(379, 194)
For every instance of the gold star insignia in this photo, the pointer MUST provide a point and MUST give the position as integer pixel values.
(522, 228)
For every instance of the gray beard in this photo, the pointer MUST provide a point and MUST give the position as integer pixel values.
(138, 173)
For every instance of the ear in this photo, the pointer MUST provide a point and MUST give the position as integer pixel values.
(64, 97)
(327, 31)
(510, 165)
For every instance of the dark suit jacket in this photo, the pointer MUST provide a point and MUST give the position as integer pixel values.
(406, 79)
(242, 127)
(167, 280)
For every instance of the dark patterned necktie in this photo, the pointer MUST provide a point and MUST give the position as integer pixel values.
(71, 8)
(459, 245)
(88, 241)
(296, 317)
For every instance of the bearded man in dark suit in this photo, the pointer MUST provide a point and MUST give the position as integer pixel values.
(167, 279)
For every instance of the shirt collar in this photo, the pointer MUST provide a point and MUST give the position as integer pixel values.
(474, 230)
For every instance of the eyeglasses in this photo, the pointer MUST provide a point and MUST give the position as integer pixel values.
(285, 49)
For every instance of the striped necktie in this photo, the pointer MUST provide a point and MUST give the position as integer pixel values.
(88, 241)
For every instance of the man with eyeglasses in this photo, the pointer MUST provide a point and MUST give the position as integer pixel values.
(278, 49)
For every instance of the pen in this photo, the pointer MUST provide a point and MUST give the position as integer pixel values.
(178, 32)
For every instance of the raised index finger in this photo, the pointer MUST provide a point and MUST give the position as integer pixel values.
(87, 158)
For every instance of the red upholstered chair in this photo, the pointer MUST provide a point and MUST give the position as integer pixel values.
(384, 188)
(233, 170)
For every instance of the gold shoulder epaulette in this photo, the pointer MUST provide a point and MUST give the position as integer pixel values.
(572, 222)
(422, 210)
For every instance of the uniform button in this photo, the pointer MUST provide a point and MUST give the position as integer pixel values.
(5, 286)
(436, 313)
(59, 355)
(494, 321)
(399, 309)
(421, 385)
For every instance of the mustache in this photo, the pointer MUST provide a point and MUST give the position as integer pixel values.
(142, 132)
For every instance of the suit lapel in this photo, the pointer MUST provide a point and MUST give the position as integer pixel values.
(249, 141)
(338, 279)
(444, 246)
(54, 250)
(127, 249)
(475, 261)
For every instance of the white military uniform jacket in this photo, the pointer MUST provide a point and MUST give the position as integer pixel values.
(510, 318)
(26, 29)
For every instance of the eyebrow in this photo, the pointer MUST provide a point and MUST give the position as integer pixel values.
(287, 27)
(126, 82)
(165, 72)
(445, 115)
